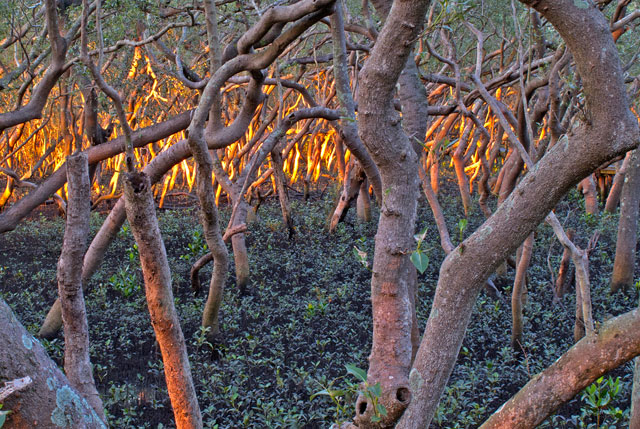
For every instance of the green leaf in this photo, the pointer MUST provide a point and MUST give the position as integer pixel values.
(3, 417)
(420, 260)
(381, 410)
(358, 373)
(324, 392)
(375, 390)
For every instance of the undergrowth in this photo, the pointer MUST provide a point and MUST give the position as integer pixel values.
(306, 316)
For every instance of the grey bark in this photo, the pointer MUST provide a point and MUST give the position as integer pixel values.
(50, 400)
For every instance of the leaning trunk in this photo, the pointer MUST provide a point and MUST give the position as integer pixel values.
(617, 341)
(157, 279)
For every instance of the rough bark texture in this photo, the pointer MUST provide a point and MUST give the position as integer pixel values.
(611, 129)
(616, 342)
(164, 318)
(624, 263)
(50, 400)
(77, 365)
(381, 131)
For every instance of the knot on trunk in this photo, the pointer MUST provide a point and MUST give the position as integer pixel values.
(382, 411)
(138, 181)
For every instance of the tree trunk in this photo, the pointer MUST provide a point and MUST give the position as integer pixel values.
(380, 130)
(49, 400)
(157, 279)
(363, 203)
(564, 272)
(519, 289)
(158, 166)
(350, 190)
(616, 187)
(77, 365)
(617, 341)
(578, 326)
(588, 186)
(8, 191)
(624, 263)
(612, 130)
(283, 197)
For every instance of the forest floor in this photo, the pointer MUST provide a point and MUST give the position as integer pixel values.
(306, 315)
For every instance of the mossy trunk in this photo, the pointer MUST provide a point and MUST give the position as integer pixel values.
(49, 400)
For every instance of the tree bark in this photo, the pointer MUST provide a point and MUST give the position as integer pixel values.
(49, 400)
(616, 187)
(564, 271)
(283, 197)
(363, 203)
(519, 289)
(12, 216)
(158, 166)
(588, 186)
(381, 131)
(610, 131)
(624, 263)
(350, 189)
(77, 364)
(157, 279)
(348, 128)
